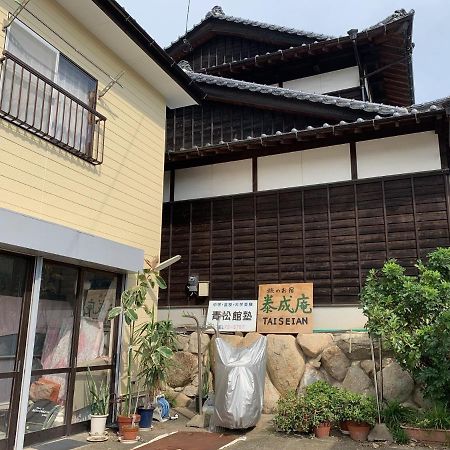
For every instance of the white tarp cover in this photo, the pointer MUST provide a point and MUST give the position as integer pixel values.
(239, 384)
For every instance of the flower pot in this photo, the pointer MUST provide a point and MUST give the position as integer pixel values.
(322, 430)
(343, 426)
(130, 432)
(146, 418)
(358, 430)
(98, 424)
(127, 420)
(428, 435)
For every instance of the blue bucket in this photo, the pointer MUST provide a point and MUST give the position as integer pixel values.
(146, 417)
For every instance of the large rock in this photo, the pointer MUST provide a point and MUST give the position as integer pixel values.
(397, 384)
(183, 342)
(310, 376)
(271, 396)
(182, 400)
(313, 344)
(193, 342)
(183, 369)
(190, 390)
(356, 345)
(285, 362)
(358, 381)
(419, 399)
(335, 362)
(250, 339)
(367, 366)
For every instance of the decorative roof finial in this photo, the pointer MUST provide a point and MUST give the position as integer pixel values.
(217, 11)
(183, 64)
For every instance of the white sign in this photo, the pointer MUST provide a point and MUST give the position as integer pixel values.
(232, 315)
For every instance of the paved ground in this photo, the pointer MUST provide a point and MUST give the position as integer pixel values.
(262, 437)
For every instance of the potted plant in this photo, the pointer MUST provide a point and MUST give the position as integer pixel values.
(360, 413)
(321, 400)
(156, 342)
(132, 302)
(98, 396)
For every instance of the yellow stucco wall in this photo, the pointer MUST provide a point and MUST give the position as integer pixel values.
(120, 199)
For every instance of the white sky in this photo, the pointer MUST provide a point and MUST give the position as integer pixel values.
(165, 20)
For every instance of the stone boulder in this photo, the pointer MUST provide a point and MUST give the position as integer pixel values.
(335, 362)
(367, 366)
(183, 342)
(193, 342)
(419, 399)
(271, 396)
(182, 400)
(250, 339)
(285, 362)
(310, 376)
(190, 390)
(397, 384)
(356, 345)
(357, 381)
(313, 344)
(183, 369)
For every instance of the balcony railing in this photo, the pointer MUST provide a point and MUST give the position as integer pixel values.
(37, 104)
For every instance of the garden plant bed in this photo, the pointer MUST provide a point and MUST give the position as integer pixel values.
(428, 435)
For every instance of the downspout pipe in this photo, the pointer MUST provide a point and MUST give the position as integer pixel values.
(353, 33)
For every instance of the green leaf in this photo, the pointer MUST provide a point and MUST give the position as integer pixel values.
(114, 312)
(160, 282)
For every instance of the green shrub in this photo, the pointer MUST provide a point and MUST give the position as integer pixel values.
(291, 414)
(359, 408)
(321, 400)
(412, 313)
(437, 417)
(394, 415)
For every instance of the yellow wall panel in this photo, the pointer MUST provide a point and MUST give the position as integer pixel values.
(120, 199)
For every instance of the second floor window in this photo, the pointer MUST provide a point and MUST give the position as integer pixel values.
(45, 92)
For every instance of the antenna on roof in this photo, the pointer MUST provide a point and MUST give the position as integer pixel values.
(15, 14)
(187, 14)
(113, 81)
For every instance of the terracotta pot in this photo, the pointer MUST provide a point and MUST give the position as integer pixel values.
(428, 435)
(127, 420)
(130, 432)
(358, 430)
(343, 426)
(322, 430)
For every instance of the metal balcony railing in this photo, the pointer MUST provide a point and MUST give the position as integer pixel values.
(34, 102)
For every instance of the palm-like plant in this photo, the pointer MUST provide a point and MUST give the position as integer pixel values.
(155, 342)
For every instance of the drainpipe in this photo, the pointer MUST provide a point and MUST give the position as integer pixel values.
(353, 33)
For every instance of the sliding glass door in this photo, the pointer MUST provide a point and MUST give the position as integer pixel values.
(15, 294)
(72, 334)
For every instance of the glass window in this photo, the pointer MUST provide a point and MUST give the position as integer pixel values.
(53, 341)
(81, 401)
(95, 339)
(5, 406)
(12, 288)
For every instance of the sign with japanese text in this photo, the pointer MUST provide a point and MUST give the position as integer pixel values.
(232, 315)
(285, 308)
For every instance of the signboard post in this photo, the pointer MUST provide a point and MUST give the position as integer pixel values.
(232, 315)
(285, 308)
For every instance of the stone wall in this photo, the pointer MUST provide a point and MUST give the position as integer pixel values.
(342, 359)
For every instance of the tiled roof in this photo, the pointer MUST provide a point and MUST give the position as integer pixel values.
(289, 93)
(431, 105)
(217, 13)
(396, 15)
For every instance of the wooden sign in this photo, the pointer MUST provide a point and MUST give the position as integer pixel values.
(285, 308)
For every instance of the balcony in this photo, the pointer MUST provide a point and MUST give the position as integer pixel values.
(37, 104)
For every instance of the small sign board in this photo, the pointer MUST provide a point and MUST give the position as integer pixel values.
(285, 308)
(232, 315)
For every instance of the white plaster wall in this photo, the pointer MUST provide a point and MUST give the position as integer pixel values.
(308, 167)
(214, 180)
(340, 318)
(417, 152)
(336, 80)
(166, 188)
